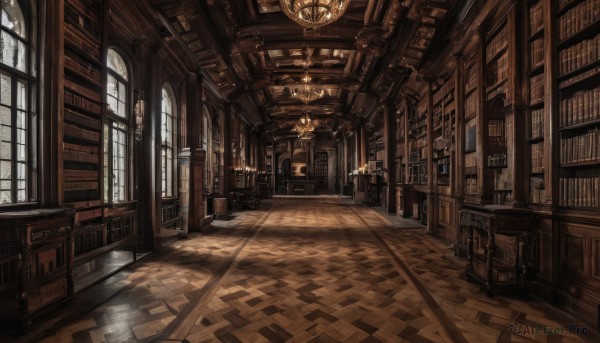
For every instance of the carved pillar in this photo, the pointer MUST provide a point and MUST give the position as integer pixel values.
(192, 160)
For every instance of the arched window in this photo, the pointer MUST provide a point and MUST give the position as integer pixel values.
(116, 130)
(168, 120)
(16, 88)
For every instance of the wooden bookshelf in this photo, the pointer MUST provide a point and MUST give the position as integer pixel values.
(82, 175)
(579, 118)
(536, 111)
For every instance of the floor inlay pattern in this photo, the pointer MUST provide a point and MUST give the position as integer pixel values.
(318, 270)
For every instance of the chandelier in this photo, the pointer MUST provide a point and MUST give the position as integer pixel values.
(305, 127)
(305, 91)
(314, 13)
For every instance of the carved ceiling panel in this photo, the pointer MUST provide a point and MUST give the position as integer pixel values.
(252, 52)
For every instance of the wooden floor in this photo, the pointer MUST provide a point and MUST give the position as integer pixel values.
(317, 270)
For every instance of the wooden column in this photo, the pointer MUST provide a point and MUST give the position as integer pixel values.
(51, 100)
(389, 161)
(151, 142)
(195, 166)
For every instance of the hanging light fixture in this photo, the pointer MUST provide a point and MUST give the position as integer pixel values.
(314, 13)
(138, 112)
(306, 91)
(305, 127)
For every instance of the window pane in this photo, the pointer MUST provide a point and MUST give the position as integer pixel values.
(5, 197)
(121, 110)
(122, 92)
(5, 170)
(21, 58)
(115, 62)
(5, 90)
(105, 167)
(9, 49)
(21, 95)
(12, 17)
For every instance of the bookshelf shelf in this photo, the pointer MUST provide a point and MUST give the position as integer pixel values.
(586, 79)
(588, 31)
(580, 70)
(536, 70)
(581, 164)
(583, 125)
(495, 86)
(536, 140)
(537, 34)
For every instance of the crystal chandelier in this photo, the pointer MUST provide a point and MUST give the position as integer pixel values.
(314, 13)
(305, 91)
(305, 127)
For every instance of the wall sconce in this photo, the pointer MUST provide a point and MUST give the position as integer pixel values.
(138, 112)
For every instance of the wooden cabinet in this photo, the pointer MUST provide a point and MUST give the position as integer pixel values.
(36, 249)
(499, 250)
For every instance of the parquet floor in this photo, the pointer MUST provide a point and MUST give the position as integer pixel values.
(319, 270)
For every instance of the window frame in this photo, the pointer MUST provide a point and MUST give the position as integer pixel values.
(115, 123)
(29, 79)
(169, 191)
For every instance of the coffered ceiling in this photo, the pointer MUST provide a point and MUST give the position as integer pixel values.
(251, 52)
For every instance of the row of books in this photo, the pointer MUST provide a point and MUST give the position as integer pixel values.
(81, 185)
(495, 91)
(471, 186)
(537, 53)
(580, 149)
(582, 107)
(81, 102)
(537, 158)
(497, 71)
(578, 18)
(580, 191)
(592, 73)
(537, 123)
(79, 175)
(80, 156)
(499, 42)
(502, 179)
(85, 21)
(538, 191)
(497, 160)
(536, 17)
(91, 94)
(471, 78)
(537, 88)
(81, 119)
(80, 133)
(579, 55)
(85, 70)
(82, 42)
(472, 105)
